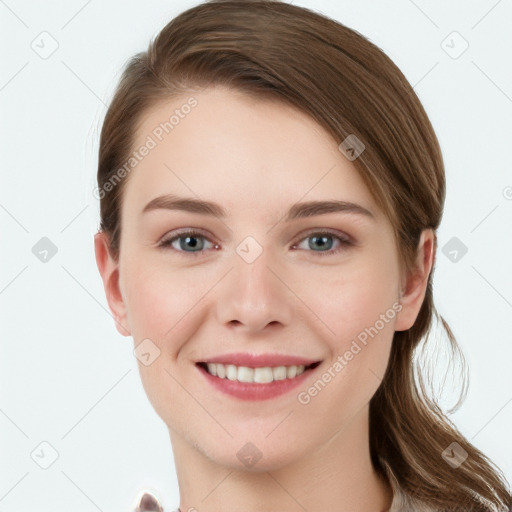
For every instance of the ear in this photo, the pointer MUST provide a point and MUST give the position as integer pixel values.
(109, 271)
(415, 285)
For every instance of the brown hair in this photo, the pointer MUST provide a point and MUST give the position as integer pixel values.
(349, 86)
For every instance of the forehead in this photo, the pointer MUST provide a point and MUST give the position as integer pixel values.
(238, 150)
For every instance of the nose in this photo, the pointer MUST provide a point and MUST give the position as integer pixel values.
(254, 295)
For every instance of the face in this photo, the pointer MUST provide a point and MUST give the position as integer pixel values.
(294, 259)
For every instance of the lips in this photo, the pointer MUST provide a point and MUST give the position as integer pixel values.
(254, 371)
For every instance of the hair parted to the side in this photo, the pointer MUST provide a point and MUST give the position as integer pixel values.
(268, 48)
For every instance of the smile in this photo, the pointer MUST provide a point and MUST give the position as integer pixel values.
(260, 383)
(261, 375)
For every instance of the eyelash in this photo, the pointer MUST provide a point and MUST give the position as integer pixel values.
(344, 242)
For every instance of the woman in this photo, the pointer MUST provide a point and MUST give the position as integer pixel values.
(270, 192)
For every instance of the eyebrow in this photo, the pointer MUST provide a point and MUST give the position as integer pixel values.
(297, 211)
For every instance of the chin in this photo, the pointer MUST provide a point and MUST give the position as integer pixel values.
(253, 457)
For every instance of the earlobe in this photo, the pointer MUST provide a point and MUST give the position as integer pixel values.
(109, 271)
(415, 286)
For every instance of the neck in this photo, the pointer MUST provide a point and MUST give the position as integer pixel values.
(337, 475)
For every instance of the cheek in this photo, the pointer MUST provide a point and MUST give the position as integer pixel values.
(351, 298)
(160, 302)
(361, 310)
(358, 303)
(165, 307)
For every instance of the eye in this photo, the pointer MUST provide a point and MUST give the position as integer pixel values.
(324, 241)
(185, 240)
(194, 240)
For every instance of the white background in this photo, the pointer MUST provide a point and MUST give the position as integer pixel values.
(68, 378)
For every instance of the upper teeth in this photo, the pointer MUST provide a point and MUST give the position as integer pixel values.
(259, 375)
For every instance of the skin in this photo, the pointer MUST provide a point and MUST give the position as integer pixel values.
(256, 158)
